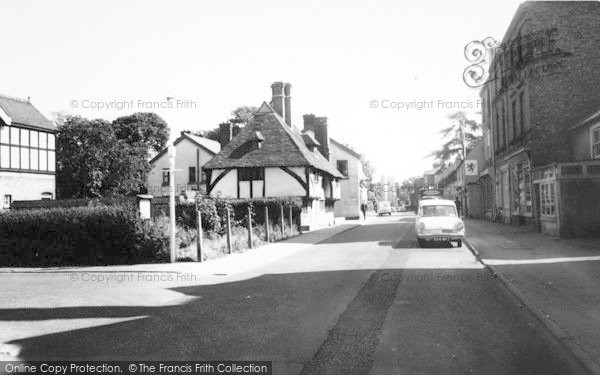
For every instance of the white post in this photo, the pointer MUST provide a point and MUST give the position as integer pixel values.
(172, 201)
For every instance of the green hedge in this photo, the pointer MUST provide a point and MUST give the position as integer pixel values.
(79, 236)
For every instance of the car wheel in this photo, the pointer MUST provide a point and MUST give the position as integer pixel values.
(459, 243)
(421, 242)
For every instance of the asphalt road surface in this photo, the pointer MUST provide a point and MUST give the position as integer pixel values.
(365, 301)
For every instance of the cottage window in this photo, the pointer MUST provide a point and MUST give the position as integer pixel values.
(342, 166)
(192, 175)
(547, 199)
(165, 177)
(7, 201)
(251, 174)
(595, 138)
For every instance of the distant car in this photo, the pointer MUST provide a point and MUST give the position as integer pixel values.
(438, 221)
(402, 208)
(384, 207)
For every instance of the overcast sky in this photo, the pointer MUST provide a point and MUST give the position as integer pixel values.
(218, 55)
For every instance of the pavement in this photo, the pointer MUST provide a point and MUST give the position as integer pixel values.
(357, 300)
(557, 279)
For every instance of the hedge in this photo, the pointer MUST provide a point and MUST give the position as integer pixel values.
(80, 236)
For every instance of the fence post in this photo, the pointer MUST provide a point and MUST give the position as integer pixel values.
(291, 221)
(282, 221)
(228, 231)
(267, 229)
(199, 232)
(249, 227)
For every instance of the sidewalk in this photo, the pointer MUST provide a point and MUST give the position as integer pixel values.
(557, 279)
(230, 264)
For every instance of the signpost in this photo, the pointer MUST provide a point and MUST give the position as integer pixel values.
(172, 153)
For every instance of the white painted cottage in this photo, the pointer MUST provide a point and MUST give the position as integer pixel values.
(192, 153)
(353, 193)
(271, 158)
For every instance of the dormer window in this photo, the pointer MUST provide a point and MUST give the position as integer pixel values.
(257, 140)
(309, 140)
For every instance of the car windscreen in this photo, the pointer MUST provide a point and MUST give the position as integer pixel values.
(439, 210)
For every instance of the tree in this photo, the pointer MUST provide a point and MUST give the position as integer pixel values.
(460, 137)
(81, 156)
(241, 116)
(96, 158)
(368, 169)
(142, 128)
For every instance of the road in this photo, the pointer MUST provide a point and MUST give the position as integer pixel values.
(365, 301)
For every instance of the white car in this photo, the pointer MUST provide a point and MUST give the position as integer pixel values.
(438, 221)
(384, 207)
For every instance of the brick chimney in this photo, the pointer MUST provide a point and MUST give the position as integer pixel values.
(225, 133)
(278, 101)
(287, 88)
(309, 121)
(321, 134)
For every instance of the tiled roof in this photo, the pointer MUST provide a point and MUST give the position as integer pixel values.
(22, 112)
(283, 147)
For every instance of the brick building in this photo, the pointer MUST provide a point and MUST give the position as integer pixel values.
(543, 79)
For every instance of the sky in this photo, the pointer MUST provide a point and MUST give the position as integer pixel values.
(385, 73)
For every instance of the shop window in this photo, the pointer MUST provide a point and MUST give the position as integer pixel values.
(527, 191)
(548, 199)
(595, 137)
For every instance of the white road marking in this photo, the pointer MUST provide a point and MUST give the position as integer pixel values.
(499, 262)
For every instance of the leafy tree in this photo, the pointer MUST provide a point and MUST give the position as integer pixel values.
(459, 138)
(142, 128)
(241, 116)
(96, 158)
(81, 150)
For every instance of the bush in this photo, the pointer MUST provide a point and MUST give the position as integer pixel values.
(213, 211)
(79, 236)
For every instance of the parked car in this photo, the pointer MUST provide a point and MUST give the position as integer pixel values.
(384, 207)
(438, 221)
